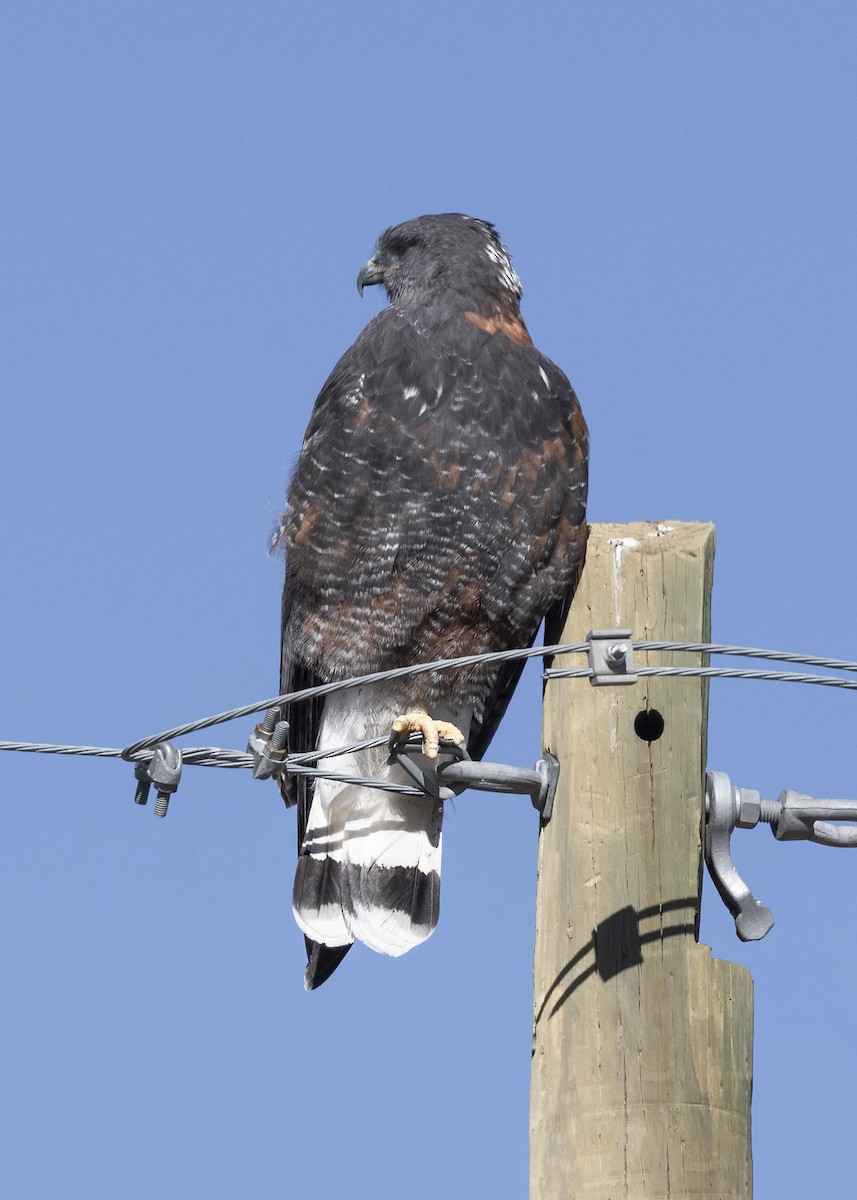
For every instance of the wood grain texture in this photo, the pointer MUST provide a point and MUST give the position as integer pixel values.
(642, 1042)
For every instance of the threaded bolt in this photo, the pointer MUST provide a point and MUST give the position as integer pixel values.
(162, 804)
(770, 811)
(280, 735)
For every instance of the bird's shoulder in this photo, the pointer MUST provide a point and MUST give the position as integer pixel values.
(463, 371)
(386, 353)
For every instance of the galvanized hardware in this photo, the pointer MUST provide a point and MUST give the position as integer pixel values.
(611, 657)
(792, 817)
(164, 770)
(539, 783)
(802, 818)
(726, 808)
(268, 744)
(401, 752)
(144, 783)
(456, 771)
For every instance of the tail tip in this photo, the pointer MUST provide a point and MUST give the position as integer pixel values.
(322, 961)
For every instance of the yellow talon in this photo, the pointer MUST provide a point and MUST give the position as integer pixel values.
(431, 731)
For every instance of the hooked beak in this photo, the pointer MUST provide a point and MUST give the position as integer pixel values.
(369, 275)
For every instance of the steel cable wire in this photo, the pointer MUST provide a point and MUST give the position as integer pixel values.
(303, 763)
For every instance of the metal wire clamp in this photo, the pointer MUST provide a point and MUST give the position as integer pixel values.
(268, 744)
(164, 770)
(792, 817)
(611, 657)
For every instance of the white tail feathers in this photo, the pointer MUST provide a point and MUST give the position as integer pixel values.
(369, 870)
(369, 867)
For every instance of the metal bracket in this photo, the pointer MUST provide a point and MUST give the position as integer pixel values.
(611, 657)
(164, 770)
(792, 817)
(723, 804)
(268, 744)
(802, 818)
(459, 771)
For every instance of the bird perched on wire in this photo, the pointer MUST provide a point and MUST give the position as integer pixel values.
(437, 510)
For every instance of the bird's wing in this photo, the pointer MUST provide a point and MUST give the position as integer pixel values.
(551, 542)
(304, 718)
(482, 732)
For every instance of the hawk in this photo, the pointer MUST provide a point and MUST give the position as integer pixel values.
(437, 510)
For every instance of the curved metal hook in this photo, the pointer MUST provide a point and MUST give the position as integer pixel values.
(723, 803)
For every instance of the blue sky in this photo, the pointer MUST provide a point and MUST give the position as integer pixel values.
(188, 193)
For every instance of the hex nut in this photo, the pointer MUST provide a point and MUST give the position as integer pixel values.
(749, 807)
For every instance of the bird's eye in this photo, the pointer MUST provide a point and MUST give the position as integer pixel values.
(398, 247)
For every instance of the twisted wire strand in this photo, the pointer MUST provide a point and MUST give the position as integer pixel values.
(445, 664)
(303, 763)
(807, 660)
(323, 689)
(195, 756)
(721, 673)
(52, 748)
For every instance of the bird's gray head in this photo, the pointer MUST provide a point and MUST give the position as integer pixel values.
(446, 256)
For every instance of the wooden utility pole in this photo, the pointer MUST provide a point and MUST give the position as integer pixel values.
(642, 1044)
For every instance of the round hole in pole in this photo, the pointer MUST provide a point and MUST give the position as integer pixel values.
(648, 725)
